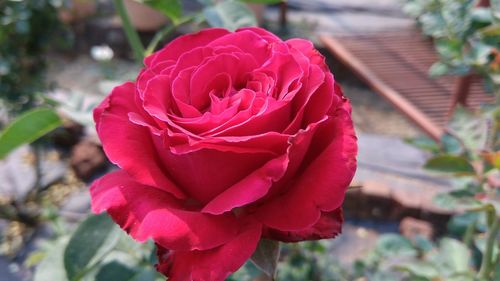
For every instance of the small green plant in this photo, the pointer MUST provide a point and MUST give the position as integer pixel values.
(97, 250)
(230, 14)
(469, 154)
(466, 36)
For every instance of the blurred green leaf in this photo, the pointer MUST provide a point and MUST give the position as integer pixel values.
(423, 244)
(480, 53)
(480, 242)
(170, 8)
(421, 269)
(266, 256)
(450, 144)
(93, 239)
(483, 15)
(147, 275)
(438, 69)
(424, 143)
(449, 49)
(394, 245)
(52, 266)
(229, 14)
(454, 254)
(492, 30)
(471, 128)
(458, 224)
(269, 2)
(461, 198)
(115, 271)
(447, 163)
(27, 128)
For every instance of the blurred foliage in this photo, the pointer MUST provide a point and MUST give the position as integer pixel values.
(469, 153)
(307, 260)
(230, 14)
(97, 250)
(466, 36)
(27, 30)
(27, 128)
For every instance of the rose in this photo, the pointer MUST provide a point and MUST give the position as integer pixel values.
(226, 138)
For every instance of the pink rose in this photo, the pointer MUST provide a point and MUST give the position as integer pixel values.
(226, 138)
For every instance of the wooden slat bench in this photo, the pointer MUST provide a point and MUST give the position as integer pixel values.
(395, 64)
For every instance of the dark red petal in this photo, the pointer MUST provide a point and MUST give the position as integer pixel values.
(329, 225)
(130, 145)
(210, 265)
(322, 185)
(207, 172)
(250, 189)
(146, 212)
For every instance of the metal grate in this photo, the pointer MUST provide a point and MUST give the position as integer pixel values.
(395, 64)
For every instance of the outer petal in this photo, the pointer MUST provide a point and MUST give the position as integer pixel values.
(329, 225)
(322, 184)
(211, 265)
(182, 44)
(146, 212)
(127, 144)
(249, 189)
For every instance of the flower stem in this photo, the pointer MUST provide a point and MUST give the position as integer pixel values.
(130, 32)
(487, 263)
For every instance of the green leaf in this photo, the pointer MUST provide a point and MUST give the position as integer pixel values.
(421, 269)
(52, 266)
(229, 14)
(27, 128)
(146, 275)
(446, 163)
(480, 242)
(170, 8)
(458, 224)
(460, 198)
(269, 2)
(93, 239)
(394, 245)
(454, 254)
(266, 256)
(450, 144)
(482, 15)
(424, 143)
(472, 129)
(491, 30)
(438, 69)
(115, 271)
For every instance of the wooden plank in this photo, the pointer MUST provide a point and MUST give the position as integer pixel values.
(364, 73)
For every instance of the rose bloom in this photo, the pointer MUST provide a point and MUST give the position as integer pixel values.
(226, 138)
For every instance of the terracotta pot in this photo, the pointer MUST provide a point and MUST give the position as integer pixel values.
(143, 17)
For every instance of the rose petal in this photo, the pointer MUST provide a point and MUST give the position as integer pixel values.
(205, 173)
(328, 226)
(210, 265)
(127, 144)
(250, 189)
(321, 186)
(247, 41)
(182, 44)
(146, 212)
(307, 48)
(268, 36)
